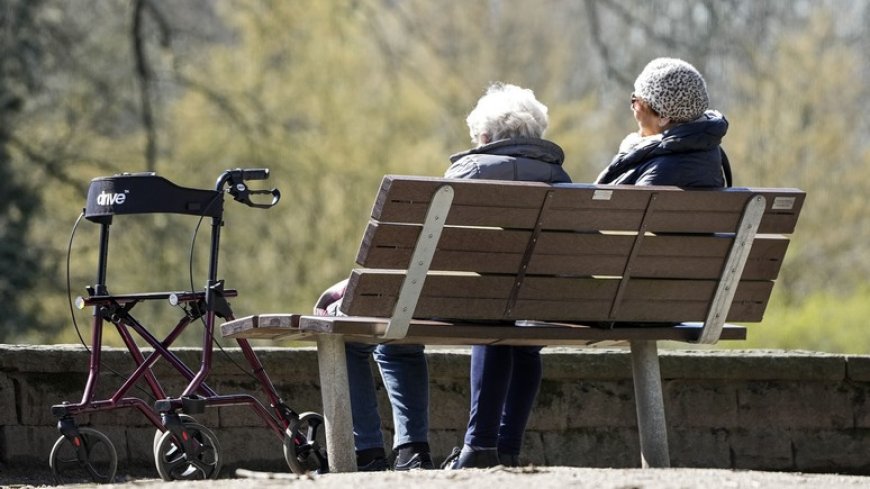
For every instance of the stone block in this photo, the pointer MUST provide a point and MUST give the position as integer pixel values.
(449, 363)
(752, 365)
(861, 404)
(794, 405)
(589, 364)
(41, 390)
(585, 404)
(699, 447)
(8, 401)
(693, 403)
(288, 364)
(858, 368)
(450, 404)
(761, 449)
(138, 449)
(252, 449)
(27, 445)
(601, 447)
(43, 358)
(832, 451)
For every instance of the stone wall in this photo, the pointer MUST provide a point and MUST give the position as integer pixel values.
(784, 411)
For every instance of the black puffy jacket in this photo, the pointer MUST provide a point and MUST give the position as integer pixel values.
(687, 155)
(519, 159)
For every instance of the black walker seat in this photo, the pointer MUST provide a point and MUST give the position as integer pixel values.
(144, 193)
(183, 449)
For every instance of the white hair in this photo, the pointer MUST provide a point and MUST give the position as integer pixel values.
(507, 111)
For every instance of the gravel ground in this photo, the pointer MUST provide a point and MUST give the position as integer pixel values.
(527, 477)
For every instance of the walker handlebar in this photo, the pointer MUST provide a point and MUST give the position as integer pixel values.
(235, 179)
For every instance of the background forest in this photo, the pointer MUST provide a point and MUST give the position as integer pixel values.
(333, 94)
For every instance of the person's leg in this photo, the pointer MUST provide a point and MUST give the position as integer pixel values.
(406, 377)
(368, 439)
(490, 378)
(525, 383)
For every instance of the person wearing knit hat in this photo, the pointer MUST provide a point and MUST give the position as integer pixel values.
(678, 138)
(673, 89)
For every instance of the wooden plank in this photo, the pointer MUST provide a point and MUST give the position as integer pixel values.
(475, 202)
(621, 207)
(492, 250)
(263, 326)
(367, 330)
(373, 293)
(583, 206)
(783, 206)
(497, 250)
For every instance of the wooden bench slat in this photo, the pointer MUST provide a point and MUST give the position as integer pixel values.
(575, 206)
(264, 326)
(295, 327)
(374, 293)
(495, 250)
(463, 333)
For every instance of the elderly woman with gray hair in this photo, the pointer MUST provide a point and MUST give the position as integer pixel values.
(506, 127)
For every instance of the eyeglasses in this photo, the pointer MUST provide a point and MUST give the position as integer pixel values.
(635, 99)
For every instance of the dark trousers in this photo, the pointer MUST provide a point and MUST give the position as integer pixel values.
(504, 383)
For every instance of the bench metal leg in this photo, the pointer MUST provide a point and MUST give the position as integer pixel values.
(336, 403)
(651, 423)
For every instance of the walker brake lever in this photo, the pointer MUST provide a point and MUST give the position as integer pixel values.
(242, 193)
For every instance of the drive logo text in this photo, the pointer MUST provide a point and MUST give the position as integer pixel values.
(109, 198)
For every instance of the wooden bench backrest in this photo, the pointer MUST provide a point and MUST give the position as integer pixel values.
(569, 252)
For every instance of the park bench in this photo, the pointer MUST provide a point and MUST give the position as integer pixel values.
(442, 262)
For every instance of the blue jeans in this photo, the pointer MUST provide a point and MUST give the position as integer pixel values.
(504, 384)
(406, 378)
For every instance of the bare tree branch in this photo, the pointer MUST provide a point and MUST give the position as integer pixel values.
(600, 45)
(144, 73)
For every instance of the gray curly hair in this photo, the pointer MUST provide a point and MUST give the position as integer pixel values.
(507, 111)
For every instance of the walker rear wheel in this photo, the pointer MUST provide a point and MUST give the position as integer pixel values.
(173, 463)
(99, 461)
(305, 445)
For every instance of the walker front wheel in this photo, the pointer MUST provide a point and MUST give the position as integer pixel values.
(89, 457)
(201, 463)
(305, 445)
(185, 419)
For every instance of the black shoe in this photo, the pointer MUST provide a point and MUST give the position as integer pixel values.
(375, 465)
(509, 459)
(418, 460)
(413, 455)
(470, 460)
(372, 460)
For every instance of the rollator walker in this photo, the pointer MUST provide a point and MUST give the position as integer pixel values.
(183, 448)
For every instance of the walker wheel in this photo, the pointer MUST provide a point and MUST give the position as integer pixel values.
(185, 419)
(99, 461)
(305, 445)
(174, 464)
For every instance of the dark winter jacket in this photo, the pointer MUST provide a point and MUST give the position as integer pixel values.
(521, 159)
(687, 155)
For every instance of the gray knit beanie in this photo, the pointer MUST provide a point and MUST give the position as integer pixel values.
(673, 88)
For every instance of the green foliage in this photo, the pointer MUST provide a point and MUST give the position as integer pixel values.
(825, 321)
(333, 95)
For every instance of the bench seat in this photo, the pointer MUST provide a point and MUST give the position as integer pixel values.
(295, 327)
